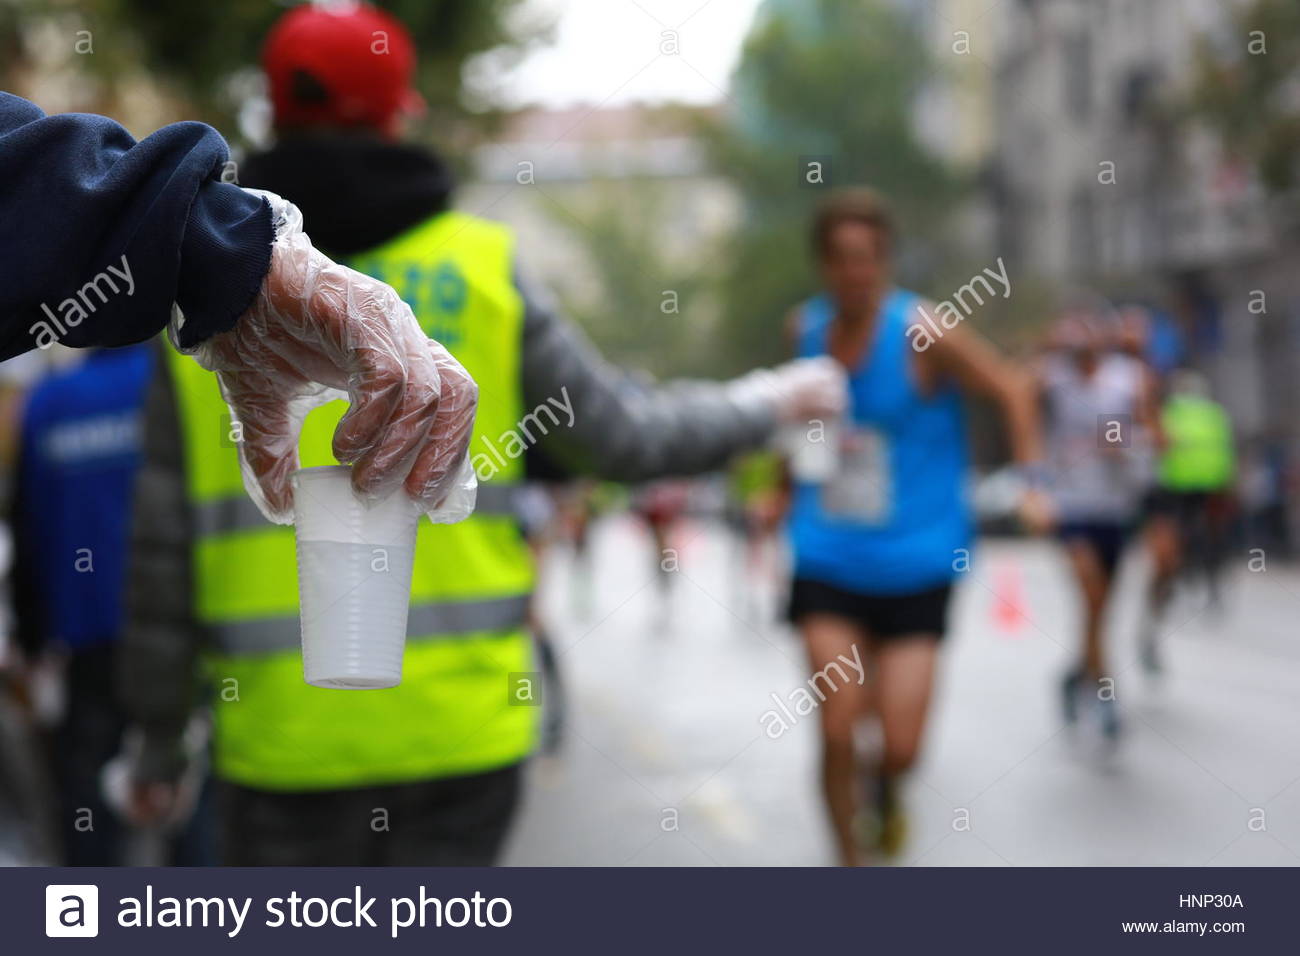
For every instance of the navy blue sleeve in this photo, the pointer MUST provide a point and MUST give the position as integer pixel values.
(99, 234)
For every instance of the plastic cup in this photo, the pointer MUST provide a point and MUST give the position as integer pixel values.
(814, 456)
(354, 580)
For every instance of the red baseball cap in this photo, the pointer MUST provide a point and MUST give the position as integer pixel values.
(340, 64)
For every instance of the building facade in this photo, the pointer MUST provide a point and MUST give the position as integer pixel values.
(1097, 182)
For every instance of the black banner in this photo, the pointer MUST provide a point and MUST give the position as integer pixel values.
(196, 911)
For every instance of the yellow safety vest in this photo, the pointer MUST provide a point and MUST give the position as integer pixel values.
(1200, 454)
(453, 713)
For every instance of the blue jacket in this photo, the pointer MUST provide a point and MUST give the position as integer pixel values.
(83, 205)
(78, 458)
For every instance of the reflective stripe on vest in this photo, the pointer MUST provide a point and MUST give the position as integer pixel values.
(432, 620)
(237, 512)
(453, 713)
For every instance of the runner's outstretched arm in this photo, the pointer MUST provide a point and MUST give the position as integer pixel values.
(981, 370)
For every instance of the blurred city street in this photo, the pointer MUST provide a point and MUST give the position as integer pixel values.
(665, 761)
(876, 272)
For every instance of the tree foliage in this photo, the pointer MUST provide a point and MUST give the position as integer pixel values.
(1247, 90)
(832, 79)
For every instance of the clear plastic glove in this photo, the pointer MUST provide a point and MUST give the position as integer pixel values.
(318, 331)
(798, 391)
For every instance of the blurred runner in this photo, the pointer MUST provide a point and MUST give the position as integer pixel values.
(1264, 493)
(1100, 413)
(754, 506)
(660, 505)
(429, 772)
(27, 820)
(78, 458)
(580, 505)
(1190, 509)
(880, 535)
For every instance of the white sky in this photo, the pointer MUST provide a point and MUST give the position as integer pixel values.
(605, 51)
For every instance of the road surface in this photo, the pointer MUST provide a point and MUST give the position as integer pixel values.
(666, 761)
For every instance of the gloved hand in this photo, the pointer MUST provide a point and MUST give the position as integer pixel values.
(319, 331)
(798, 391)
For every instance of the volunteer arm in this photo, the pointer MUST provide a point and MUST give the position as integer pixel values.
(100, 233)
(614, 426)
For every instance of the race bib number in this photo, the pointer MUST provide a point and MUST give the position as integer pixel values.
(861, 489)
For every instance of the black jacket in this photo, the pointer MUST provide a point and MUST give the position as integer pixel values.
(99, 234)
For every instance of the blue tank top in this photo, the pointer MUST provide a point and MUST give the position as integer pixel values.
(894, 518)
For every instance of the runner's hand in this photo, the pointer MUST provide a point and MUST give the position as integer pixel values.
(1037, 512)
(318, 331)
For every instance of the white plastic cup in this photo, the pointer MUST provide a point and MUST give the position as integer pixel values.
(354, 580)
(814, 454)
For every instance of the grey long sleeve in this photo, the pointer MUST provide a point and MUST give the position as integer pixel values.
(623, 429)
(158, 659)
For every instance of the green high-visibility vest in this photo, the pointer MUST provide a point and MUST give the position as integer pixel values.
(1199, 455)
(454, 712)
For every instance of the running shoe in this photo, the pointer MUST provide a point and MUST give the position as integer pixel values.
(1071, 685)
(893, 821)
(1149, 652)
(1108, 718)
(882, 823)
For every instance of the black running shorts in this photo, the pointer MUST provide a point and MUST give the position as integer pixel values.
(883, 617)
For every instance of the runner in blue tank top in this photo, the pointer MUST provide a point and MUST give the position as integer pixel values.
(881, 526)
